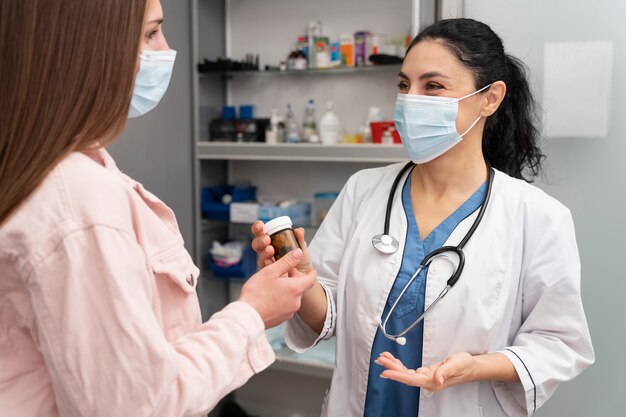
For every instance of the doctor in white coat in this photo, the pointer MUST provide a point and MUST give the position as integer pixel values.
(513, 327)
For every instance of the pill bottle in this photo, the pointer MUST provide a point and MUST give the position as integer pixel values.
(281, 234)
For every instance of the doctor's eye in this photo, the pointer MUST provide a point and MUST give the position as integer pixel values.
(403, 86)
(431, 86)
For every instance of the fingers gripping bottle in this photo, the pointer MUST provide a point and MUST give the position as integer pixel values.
(280, 231)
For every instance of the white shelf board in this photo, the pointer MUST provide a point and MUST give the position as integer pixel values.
(289, 362)
(206, 150)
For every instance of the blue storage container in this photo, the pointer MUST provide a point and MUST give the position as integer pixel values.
(243, 270)
(300, 213)
(211, 200)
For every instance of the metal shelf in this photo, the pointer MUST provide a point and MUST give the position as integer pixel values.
(307, 72)
(375, 153)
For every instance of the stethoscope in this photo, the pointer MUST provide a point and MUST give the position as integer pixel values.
(386, 244)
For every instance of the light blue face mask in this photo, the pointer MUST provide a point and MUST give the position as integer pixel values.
(427, 124)
(155, 71)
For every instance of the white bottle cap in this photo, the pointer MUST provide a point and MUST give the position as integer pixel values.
(277, 224)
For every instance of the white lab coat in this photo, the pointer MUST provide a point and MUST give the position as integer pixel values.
(519, 295)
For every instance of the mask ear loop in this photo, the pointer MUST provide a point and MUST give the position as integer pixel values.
(475, 92)
(471, 126)
(479, 117)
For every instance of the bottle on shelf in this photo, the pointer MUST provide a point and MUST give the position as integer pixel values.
(227, 126)
(291, 126)
(314, 28)
(329, 126)
(309, 126)
(246, 123)
(300, 61)
(275, 132)
(374, 114)
(387, 138)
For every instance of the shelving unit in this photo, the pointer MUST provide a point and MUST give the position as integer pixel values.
(221, 28)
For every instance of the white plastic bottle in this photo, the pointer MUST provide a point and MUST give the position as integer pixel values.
(375, 114)
(387, 138)
(274, 132)
(329, 126)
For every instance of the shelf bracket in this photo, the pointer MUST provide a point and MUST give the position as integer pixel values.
(423, 14)
(449, 9)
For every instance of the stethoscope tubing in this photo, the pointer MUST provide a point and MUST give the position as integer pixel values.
(458, 249)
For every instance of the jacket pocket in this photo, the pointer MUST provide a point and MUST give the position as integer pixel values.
(179, 269)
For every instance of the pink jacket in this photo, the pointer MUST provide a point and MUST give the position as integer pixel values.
(98, 310)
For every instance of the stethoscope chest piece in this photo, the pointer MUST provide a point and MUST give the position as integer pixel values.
(385, 244)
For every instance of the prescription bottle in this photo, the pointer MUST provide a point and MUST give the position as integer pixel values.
(281, 234)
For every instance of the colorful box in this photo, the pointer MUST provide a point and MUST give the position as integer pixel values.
(346, 50)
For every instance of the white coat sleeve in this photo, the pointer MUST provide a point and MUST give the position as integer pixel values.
(326, 250)
(553, 344)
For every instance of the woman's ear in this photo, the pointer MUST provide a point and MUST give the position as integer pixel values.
(493, 97)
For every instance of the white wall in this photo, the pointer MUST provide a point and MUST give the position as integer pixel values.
(587, 175)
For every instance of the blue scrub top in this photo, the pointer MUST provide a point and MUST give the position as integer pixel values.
(386, 397)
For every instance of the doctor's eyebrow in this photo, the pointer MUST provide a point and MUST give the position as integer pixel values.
(157, 21)
(432, 74)
(425, 76)
(403, 75)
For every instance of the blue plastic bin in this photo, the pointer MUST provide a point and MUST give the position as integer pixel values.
(300, 213)
(211, 200)
(243, 270)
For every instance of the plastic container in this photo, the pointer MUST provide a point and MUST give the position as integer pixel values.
(321, 204)
(212, 200)
(243, 270)
(388, 136)
(374, 114)
(309, 126)
(291, 126)
(275, 131)
(280, 231)
(300, 213)
(379, 128)
(329, 126)
(229, 113)
(246, 111)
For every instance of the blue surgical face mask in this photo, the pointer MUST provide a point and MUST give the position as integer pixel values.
(427, 124)
(151, 82)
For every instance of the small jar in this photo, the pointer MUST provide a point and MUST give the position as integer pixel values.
(281, 234)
